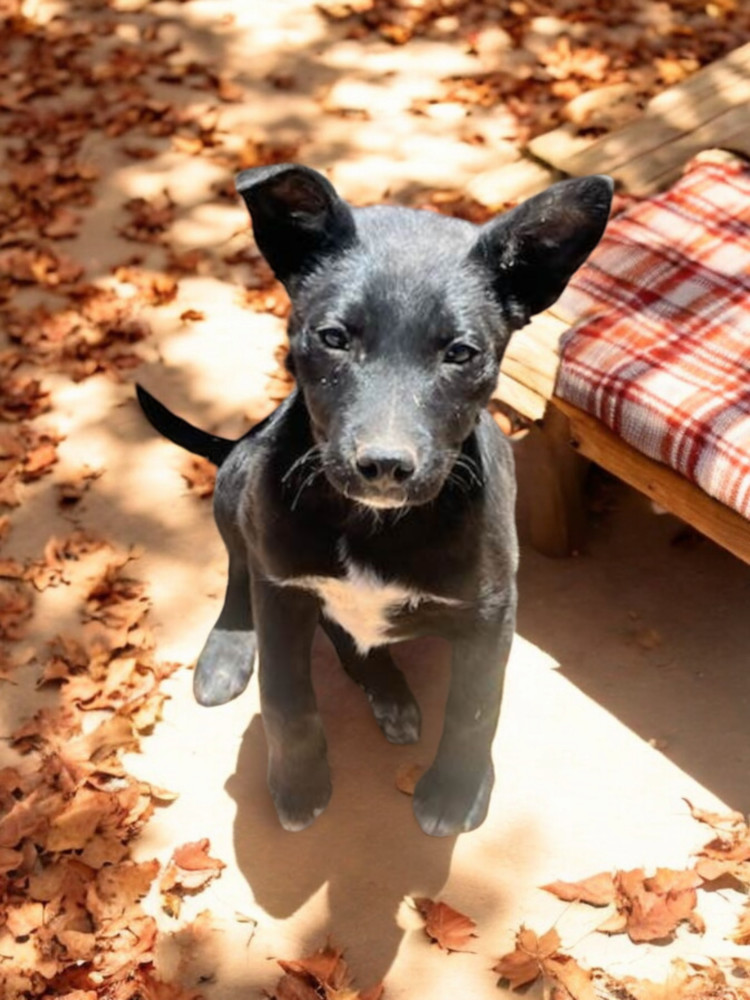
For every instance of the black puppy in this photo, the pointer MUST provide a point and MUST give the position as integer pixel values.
(378, 499)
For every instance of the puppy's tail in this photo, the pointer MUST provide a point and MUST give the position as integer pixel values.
(180, 432)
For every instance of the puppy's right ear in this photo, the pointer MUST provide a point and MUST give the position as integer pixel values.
(298, 219)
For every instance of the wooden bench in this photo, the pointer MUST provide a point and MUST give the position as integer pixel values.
(710, 109)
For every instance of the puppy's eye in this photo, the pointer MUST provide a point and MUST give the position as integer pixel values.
(459, 353)
(335, 337)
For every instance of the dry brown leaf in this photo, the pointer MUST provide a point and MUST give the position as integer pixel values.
(199, 474)
(598, 890)
(648, 908)
(72, 489)
(450, 929)
(189, 869)
(192, 316)
(22, 398)
(149, 218)
(655, 906)
(707, 982)
(535, 957)
(193, 857)
(407, 777)
(741, 933)
(119, 887)
(324, 974)
(155, 288)
(10, 860)
(713, 870)
(38, 460)
(12, 569)
(16, 606)
(117, 601)
(727, 820)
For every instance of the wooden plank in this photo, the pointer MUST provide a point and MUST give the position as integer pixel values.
(542, 383)
(681, 109)
(546, 329)
(550, 508)
(662, 484)
(530, 365)
(663, 166)
(528, 403)
(525, 349)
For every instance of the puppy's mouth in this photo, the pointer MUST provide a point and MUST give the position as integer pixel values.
(381, 502)
(418, 490)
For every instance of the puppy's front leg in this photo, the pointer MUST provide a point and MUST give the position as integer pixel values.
(394, 706)
(298, 775)
(225, 664)
(454, 794)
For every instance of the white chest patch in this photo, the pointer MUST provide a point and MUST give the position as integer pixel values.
(361, 602)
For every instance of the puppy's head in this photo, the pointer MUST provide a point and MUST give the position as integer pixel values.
(400, 317)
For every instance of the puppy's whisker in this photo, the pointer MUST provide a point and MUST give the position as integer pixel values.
(311, 454)
(305, 483)
(466, 468)
(401, 513)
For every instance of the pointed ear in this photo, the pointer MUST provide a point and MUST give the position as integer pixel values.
(531, 252)
(298, 219)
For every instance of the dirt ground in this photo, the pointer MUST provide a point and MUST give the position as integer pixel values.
(627, 690)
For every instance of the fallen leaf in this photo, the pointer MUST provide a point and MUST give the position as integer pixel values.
(450, 929)
(192, 316)
(16, 606)
(655, 906)
(149, 218)
(155, 288)
(189, 869)
(598, 890)
(535, 957)
(741, 933)
(724, 820)
(199, 474)
(323, 974)
(72, 489)
(22, 398)
(407, 777)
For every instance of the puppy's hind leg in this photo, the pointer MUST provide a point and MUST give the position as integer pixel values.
(225, 664)
(394, 706)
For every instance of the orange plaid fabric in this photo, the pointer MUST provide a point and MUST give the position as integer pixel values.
(660, 350)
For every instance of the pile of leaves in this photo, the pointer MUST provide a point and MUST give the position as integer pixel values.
(648, 909)
(88, 75)
(71, 919)
(548, 53)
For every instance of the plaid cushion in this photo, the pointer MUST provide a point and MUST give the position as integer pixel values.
(660, 350)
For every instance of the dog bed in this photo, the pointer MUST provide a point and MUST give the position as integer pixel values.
(659, 349)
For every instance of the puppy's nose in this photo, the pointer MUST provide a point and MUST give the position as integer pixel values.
(385, 466)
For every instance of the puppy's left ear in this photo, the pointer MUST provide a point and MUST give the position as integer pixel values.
(298, 219)
(531, 252)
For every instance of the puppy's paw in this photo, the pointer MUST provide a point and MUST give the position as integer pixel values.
(299, 794)
(224, 667)
(451, 800)
(398, 716)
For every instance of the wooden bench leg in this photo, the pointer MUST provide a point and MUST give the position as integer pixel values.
(551, 511)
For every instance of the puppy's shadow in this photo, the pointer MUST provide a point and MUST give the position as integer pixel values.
(366, 848)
